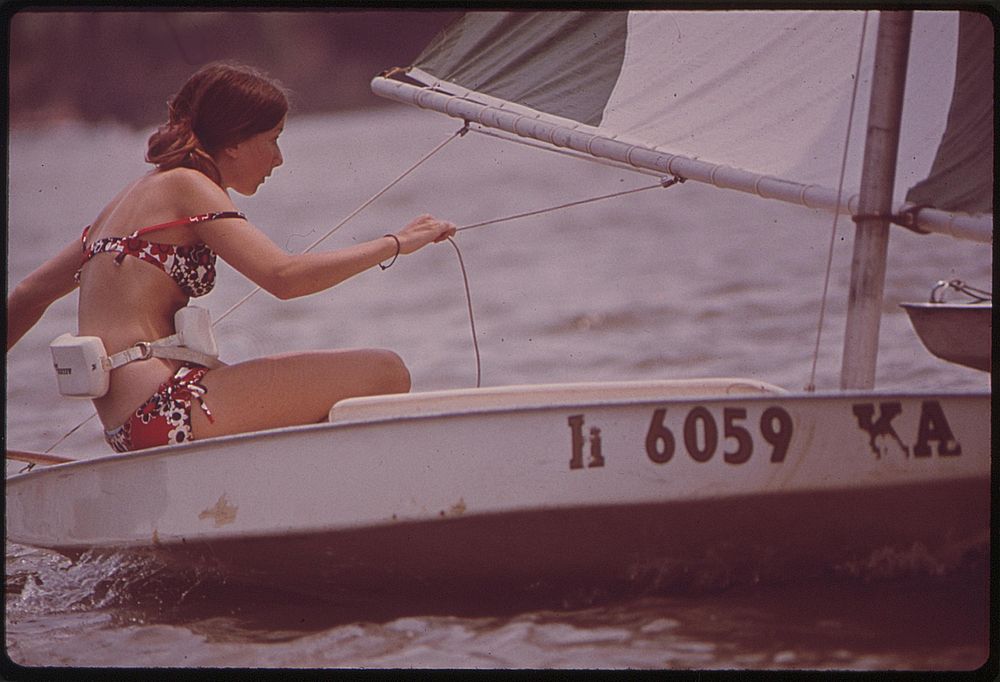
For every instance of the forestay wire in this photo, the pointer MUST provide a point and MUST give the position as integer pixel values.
(459, 133)
(811, 386)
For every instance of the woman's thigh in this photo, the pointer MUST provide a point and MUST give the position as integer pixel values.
(298, 388)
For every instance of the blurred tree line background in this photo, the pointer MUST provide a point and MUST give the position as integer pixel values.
(98, 65)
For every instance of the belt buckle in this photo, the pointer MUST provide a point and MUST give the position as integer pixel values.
(146, 350)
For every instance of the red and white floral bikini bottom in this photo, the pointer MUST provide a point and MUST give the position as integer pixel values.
(164, 419)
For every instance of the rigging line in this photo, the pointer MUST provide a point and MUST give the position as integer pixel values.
(979, 295)
(460, 132)
(465, 277)
(811, 386)
(472, 319)
(70, 432)
(665, 183)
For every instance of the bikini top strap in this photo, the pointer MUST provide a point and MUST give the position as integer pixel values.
(190, 221)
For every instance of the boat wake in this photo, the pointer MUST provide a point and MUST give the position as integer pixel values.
(140, 588)
(720, 570)
(917, 561)
(40, 582)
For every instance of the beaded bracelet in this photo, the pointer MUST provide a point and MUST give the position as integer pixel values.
(386, 267)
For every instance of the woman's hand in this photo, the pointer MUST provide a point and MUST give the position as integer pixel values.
(423, 230)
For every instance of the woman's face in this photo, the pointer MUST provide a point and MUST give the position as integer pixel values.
(250, 162)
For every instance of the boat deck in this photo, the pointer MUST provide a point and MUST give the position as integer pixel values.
(372, 408)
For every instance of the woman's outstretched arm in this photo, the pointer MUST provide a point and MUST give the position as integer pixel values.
(286, 275)
(35, 293)
(292, 275)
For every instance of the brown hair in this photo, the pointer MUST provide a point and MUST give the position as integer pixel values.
(219, 106)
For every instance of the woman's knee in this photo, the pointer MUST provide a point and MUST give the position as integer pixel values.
(392, 372)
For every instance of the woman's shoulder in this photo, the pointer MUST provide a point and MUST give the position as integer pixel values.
(193, 186)
(164, 195)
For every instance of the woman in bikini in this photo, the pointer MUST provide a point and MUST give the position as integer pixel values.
(222, 133)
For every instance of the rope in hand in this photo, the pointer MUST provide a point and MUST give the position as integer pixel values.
(472, 319)
(465, 277)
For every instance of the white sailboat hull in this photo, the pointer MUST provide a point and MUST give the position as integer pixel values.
(543, 484)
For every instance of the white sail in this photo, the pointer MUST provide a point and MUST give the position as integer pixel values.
(754, 101)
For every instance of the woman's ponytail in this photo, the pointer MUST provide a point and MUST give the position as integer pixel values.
(174, 145)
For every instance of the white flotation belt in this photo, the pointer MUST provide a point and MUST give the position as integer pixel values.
(83, 366)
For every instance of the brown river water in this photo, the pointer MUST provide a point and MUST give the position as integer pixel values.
(683, 282)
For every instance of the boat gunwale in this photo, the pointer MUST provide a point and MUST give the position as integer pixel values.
(948, 305)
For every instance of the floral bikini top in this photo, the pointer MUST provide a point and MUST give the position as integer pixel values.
(191, 266)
